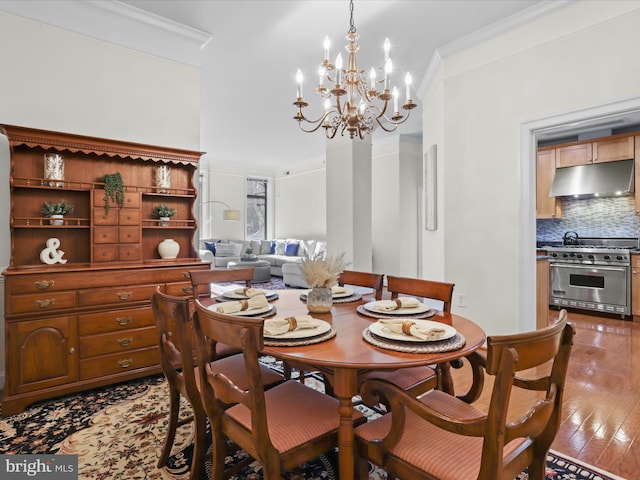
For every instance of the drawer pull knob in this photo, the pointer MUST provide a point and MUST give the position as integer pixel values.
(44, 284)
(45, 303)
(124, 295)
(126, 362)
(122, 321)
(187, 289)
(186, 275)
(72, 350)
(125, 342)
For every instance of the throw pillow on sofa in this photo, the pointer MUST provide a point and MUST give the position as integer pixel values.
(211, 246)
(265, 247)
(280, 246)
(225, 250)
(291, 248)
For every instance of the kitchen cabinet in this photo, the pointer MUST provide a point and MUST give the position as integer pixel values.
(542, 289)
(608, 149)
(87, 321)
(546, 206)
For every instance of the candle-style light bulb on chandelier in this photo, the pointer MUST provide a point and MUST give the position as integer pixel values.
(364, 107)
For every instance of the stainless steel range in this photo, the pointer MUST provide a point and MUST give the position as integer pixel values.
(592, 273)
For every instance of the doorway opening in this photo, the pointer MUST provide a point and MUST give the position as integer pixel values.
(616, 115)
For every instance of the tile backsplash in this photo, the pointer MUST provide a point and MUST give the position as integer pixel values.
(593, 217)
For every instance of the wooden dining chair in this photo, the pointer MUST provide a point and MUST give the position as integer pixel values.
(363, 279)
(175, 337)
(417, 380)
(201, 281)
(438, 436)
(281, 427)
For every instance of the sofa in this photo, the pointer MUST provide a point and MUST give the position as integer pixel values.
(277, 252)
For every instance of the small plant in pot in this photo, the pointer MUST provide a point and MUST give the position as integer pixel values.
(163, 213)
(56, 211)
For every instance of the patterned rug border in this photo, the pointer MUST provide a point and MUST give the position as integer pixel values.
(586, 466)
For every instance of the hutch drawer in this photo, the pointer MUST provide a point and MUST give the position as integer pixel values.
(124, 294)
(131, 339)
(118, 363)
(41, 302)
(115, 320)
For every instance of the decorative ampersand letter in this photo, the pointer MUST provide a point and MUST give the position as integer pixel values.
(51, 254)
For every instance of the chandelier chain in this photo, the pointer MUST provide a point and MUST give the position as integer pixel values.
(350, 100)
(352, 27)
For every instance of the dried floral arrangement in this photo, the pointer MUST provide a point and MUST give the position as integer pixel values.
(322, 272)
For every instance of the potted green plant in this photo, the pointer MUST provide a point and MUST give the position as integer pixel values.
(114, 190)
(56, 211)
(163, 213)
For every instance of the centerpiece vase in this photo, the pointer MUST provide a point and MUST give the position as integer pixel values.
(319, 300)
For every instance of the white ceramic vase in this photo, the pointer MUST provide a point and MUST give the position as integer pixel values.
(168, 248)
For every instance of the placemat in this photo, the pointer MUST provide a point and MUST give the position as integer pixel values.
(368, 313)
(356, 297)
(454, 343)
(273, 311)
(222, 298)
(297, 342)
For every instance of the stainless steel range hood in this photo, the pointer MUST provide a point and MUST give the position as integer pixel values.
(596, 179)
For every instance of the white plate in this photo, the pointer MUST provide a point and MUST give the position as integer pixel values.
(423, 307)
(381, 331)
(323, 327)
(236, 296)
(348, 293)
(245, 313)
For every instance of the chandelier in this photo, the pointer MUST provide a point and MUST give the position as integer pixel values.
(349, 103)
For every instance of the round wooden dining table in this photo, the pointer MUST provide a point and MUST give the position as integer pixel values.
(347, 354)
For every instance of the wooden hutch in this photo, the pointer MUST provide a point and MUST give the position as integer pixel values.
(82, 319)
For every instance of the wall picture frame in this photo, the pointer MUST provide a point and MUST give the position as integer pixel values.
(430, 169)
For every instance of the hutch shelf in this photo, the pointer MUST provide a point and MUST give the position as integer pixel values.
(77, 295)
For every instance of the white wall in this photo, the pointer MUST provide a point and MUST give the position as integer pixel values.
(300, 201)
(395, 201)
(56, 80)
(581, 56)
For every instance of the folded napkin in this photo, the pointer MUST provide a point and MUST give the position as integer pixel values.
(248, 292)
(410, 328)
(337, 289)
(278, 326)
(400, 302)
(252, 303)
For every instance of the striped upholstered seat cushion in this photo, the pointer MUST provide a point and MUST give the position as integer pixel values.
(444, 455)
(292, 423)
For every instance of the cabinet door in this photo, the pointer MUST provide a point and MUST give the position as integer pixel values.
(546, 206)
(613, 149)
(41, 353)
(572, 155)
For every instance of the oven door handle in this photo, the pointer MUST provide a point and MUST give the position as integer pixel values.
(590, 267)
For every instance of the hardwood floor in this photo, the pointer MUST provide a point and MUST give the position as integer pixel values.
(601, 407)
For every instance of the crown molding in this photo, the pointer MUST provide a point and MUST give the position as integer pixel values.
(117, 23)
(491, 31)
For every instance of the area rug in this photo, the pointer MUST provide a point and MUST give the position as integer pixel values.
(118, 431)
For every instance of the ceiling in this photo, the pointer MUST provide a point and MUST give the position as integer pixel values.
(256, 46)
